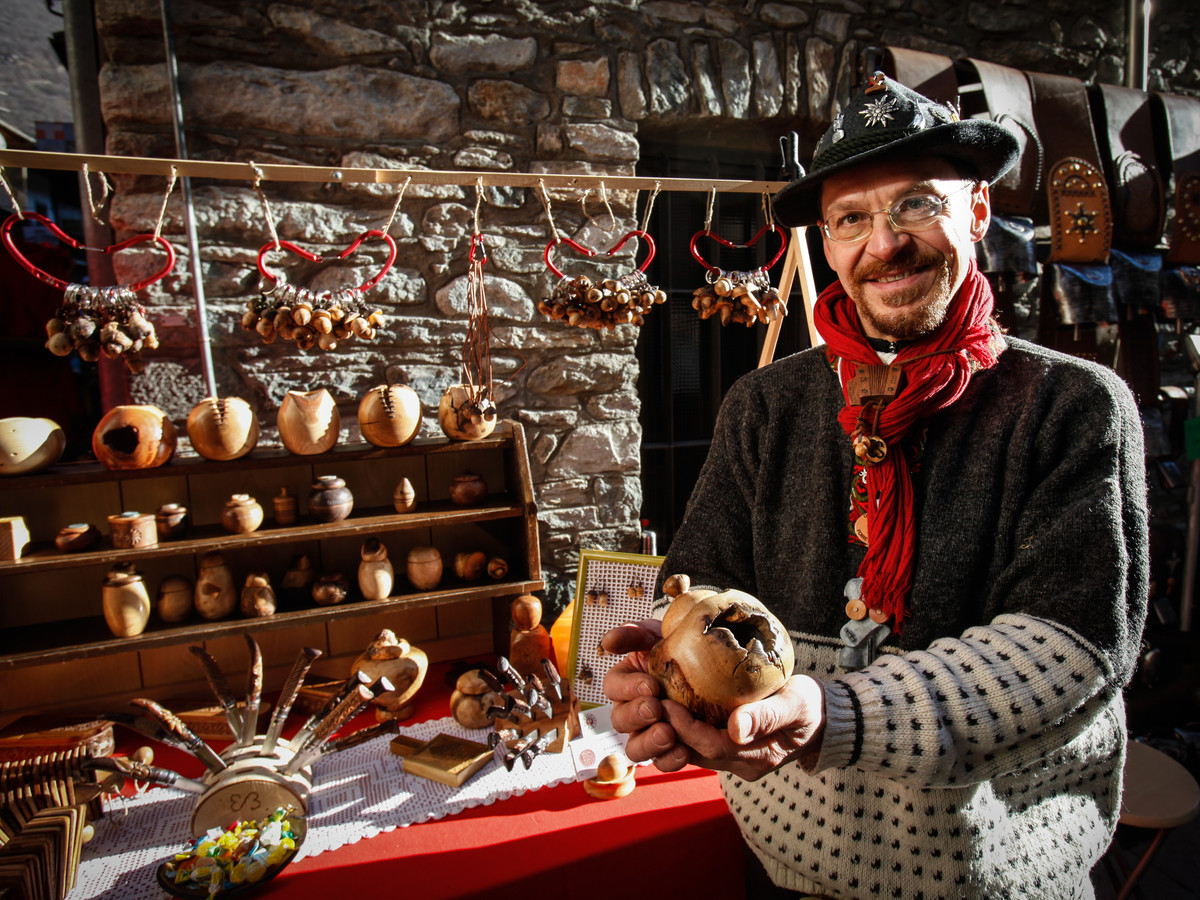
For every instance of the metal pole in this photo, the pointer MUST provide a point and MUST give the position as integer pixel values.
(205, 340)
(80, 32)
(1137, 40)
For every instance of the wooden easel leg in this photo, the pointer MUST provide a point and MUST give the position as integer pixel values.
(796, 262)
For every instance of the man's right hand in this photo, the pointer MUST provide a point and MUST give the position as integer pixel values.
(637, 710)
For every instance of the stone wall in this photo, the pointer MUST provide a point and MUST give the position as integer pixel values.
(490, 87)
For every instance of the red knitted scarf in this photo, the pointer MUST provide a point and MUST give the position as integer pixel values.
(936, 370)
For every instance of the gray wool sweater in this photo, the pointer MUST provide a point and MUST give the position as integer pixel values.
(981, 754)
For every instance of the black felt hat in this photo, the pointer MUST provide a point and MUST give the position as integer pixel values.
(887, 121)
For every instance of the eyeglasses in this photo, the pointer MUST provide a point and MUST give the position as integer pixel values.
(910, 213)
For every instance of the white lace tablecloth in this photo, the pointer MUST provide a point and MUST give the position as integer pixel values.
(358, 793)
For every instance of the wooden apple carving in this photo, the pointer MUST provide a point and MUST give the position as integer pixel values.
(719, 651)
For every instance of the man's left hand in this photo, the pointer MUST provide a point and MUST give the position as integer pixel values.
(760, 737)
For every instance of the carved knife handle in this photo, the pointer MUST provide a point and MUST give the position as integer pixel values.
(179, 728)
(287, 697)
(220, 687)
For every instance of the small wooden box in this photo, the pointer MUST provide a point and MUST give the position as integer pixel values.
(446, 759)
(14, 537)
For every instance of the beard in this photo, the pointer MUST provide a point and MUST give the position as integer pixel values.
(897, 317)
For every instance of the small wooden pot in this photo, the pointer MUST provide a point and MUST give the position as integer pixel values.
(375, 574)
(171, 521)
(468, 489)
(216, 596)
(389, 415)
(330, 500)
(28, 444)
(330, 590)
(134, 437)
(126, 603)
(309, 422)
(222, 428)
(76, 538)
(175, 598)
(132, 530)
(424, 568)
(242, 514)
(258, 598)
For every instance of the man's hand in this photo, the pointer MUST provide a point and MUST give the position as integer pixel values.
(637, 710)
(759, 738)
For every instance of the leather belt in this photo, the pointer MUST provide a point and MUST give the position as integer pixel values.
(1007, 96)
(930, 74)
(1077, 204)
(1182, 120)
(1131, 166)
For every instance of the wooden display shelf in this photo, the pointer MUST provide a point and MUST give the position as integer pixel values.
(203, 538)
(50, 604)
(39, 644)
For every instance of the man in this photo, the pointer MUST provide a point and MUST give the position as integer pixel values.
(956, 543)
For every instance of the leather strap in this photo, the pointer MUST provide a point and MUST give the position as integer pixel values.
(1007, 96)
(1126, 139)
(930, 74)
(1077, 205)
(1182, 126)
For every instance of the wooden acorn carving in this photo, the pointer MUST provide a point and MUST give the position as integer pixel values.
(719, 651)
(222, 428)
(389, 415)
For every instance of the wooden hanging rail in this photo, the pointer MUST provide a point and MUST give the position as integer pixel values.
(242, 171)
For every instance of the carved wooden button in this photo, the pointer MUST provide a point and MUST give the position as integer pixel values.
(856, 610)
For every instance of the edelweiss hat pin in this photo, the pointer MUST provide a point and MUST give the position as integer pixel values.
(886, 120)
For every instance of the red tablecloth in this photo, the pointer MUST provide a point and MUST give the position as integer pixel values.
(672, 837)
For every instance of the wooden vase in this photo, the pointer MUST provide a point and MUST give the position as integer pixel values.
(375, 573)
(222, 428)
(459, 417)
(29, 444)
(216, 596)
(242, 514)
(134, 437)
(132, 530)
(126, 603)
(424, 568)
(309, 422)
(389, 415)
(175, 598)
(404, 497)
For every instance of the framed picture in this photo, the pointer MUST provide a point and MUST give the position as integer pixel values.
(612, 589)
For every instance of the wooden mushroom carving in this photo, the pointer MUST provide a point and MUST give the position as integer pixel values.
(719, 651)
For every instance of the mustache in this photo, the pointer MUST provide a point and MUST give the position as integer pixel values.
(910, 257)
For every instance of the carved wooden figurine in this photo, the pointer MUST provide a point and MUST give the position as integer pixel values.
(402, 664)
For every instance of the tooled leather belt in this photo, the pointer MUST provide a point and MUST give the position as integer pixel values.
(1126, 139)
(1182, 119)
(1078, 207)
(1007, 96)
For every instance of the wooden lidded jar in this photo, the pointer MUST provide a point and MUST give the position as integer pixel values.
(126, 603)
(222, 428)
(424, 568)
(77, 537)
(375, 574)
(175, 598)
(131, 530)
(309, 422)
(286, 507)
(242, 514)
(330, 499)
(134, 437)
(171, 521)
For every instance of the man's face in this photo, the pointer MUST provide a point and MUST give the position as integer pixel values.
(902, 282)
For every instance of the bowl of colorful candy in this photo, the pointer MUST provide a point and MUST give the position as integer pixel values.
(234, 861)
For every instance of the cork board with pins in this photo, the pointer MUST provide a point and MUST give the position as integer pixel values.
(612, 589)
